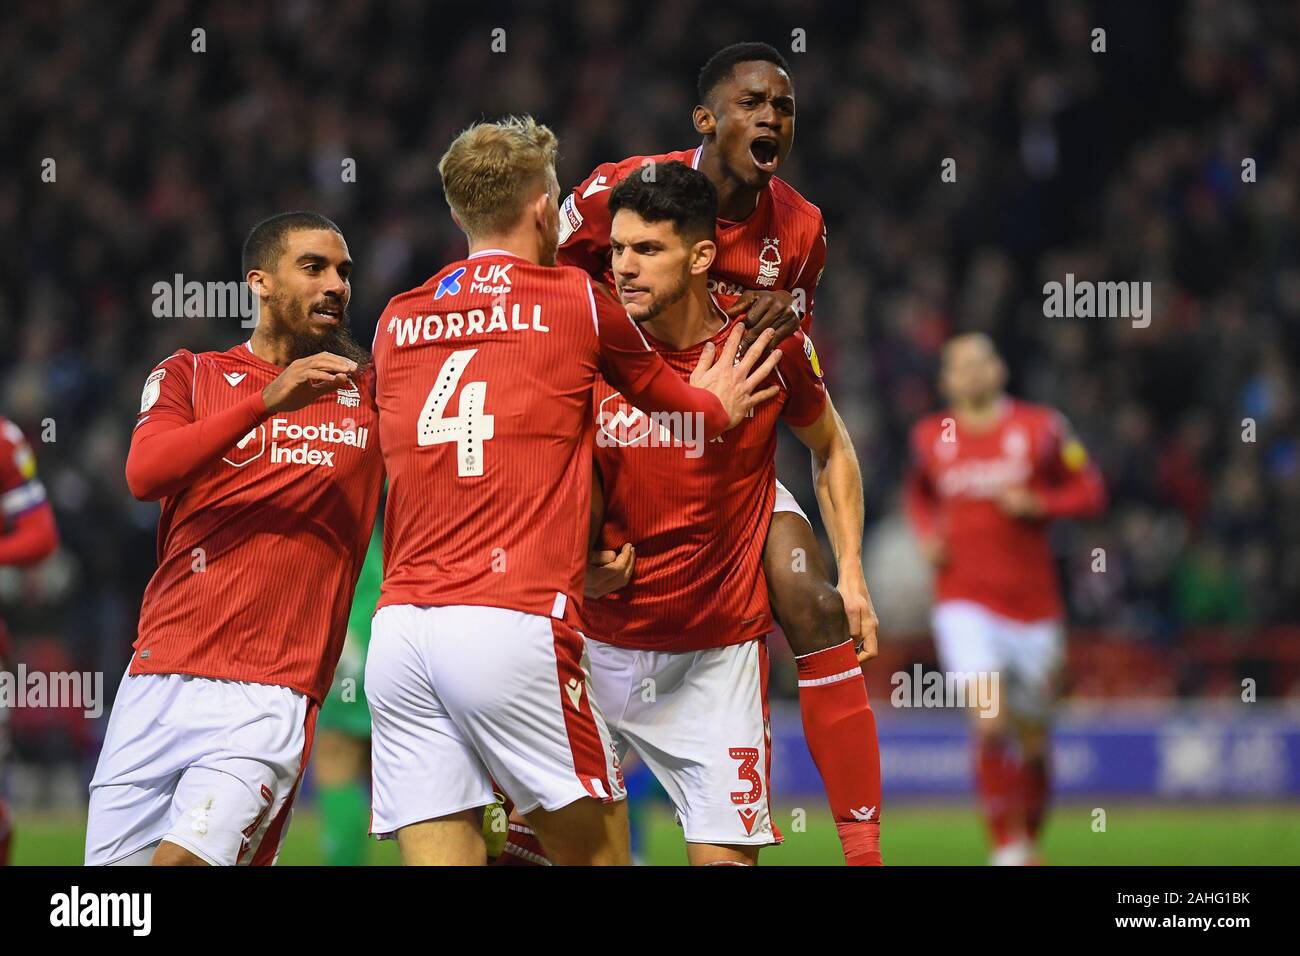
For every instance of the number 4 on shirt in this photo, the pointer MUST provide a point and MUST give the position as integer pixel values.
(470, 428)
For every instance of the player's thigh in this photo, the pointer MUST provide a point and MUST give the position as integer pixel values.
(146, 747)
(707, 854)
(586, 832)
(704, 736)
(970, 652)
(517, 688)
(1035, 654)
(233, 803)
(615, 678)
(453, 840)
(422, 766)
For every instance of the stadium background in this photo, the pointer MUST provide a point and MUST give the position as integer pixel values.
(1122, 165)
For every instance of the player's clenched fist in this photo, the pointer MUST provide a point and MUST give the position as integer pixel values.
(733, 381)
(301, 382)
(766, 309)
(607, 571)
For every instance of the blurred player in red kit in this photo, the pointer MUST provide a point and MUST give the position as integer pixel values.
(691, 622)
(988, 476)
(28, 534)
(484, 386)
(770, 252)
(267, 462)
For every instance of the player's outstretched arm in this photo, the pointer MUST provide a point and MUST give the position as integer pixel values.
(838, 481)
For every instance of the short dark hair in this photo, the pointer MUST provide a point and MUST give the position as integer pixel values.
(670, 192)
(724, 61)
(265, 243)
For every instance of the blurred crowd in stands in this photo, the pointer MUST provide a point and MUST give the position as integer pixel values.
(1117, 164)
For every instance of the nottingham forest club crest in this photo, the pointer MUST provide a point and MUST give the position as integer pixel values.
(769, 262)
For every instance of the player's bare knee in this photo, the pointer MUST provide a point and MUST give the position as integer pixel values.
(818, 622)
(169, 854)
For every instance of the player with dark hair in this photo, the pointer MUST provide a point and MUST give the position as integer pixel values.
(691, 624)
(989, 475)
(267, 463)
(770, 251)
(28, 534)
(484, 383)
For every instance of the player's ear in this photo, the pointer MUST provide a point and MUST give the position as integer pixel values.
(705, 122)
(702, 255)
(540, 207)
(256, 280)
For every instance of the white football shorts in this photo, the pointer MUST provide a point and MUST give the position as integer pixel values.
(210, 765)
(1026, 655)
(786, 502)
(464, 695)
(700, 722)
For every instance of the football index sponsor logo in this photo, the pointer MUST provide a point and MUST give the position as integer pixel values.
(253, 445)
(304, 454)
(76, 909)
(621, 424)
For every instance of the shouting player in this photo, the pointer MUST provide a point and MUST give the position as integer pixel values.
(771, 247)
(989, 474)
(268, 467)
(686, 636)
(484, 382)
(28, 534)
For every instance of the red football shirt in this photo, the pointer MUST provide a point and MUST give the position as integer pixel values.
(1000, 562)
(259, 553)
(485, 375)
(780, 245)
(25, 535)
(698, 521)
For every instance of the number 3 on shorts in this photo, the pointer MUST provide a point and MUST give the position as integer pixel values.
(470, 428)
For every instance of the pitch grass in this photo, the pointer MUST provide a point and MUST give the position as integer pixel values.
(1134, 835)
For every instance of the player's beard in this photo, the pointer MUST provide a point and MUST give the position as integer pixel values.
(337, 339)
(659, 303)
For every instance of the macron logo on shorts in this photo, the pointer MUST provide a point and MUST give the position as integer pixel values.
(574, 689)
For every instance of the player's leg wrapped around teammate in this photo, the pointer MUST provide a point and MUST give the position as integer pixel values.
(838, 723)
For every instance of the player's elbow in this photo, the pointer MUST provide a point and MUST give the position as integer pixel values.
(144, 483)
(40, 537)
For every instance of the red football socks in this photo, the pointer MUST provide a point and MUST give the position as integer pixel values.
(998, 778)
(841, 733)
(1036, 781)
